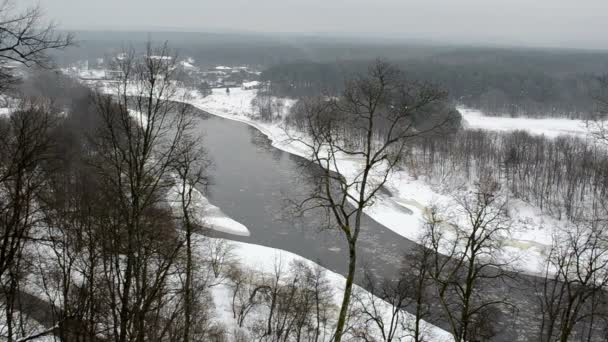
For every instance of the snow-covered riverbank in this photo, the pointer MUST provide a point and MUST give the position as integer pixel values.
(403, 210)
(265, 259)
(207, 214)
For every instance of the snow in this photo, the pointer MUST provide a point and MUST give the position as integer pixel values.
(404, 210)
(254, 257)
(221, 67)
(188, 64)
(236, 106)
(207, 214)
(550, 127)
(263, 259)
(96, 74)
(251, 84)
(161, 58)
(214, 218)
(30, 325)
(204, 212)
(8, 105)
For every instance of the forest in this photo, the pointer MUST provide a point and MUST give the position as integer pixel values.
(497, 82)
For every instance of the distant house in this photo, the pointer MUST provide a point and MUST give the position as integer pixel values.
(251, 85)
(213, 72)
(114, 74)
(164, 58)
(229, 84)
(92, 74)
(188, 66)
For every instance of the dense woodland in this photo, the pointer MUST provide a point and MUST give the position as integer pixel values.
(564, 177)
(511, 83)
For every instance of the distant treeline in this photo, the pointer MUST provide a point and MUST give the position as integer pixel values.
(498, 83)
(265, 50)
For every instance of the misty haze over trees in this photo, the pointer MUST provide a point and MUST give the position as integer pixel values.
(499, 81)
(107, 234)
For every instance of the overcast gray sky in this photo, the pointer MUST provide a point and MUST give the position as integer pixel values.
(560, 23)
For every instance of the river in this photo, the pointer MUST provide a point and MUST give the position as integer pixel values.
(254, 183)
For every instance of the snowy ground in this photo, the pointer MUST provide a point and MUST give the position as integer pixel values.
(206, 213)
(264, 259)
(31, 327)
(8, 105)
(531, 233)
(550, 127)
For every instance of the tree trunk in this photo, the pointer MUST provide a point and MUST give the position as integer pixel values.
(188, 285)
(352, 261)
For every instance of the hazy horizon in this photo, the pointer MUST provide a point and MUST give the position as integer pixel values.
(543, 23)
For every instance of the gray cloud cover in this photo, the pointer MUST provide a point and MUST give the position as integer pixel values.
(561, 23)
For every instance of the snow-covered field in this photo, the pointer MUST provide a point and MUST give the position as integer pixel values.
(550, 127)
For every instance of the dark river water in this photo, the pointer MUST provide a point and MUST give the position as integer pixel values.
(253, 183)
(256, 184)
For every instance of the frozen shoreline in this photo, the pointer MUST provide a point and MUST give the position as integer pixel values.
(208, 214)
(531, 232)
(263, 259)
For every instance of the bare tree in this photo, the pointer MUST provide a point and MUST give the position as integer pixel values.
(372, 122)
(26, 39)
(189, 167)
(138, 146)
(465, 256)
(371, 305)
(382, 308)
(576, 278)
(267, 107)
(597, 125)
(68, 250)
(218, 256)
(26, 140)
(246, 293)
(420, 265)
